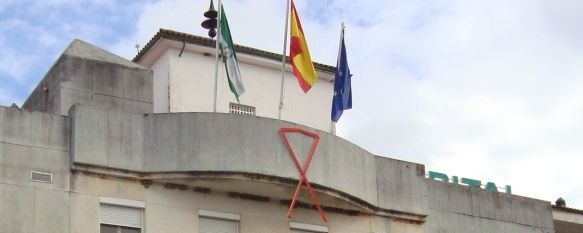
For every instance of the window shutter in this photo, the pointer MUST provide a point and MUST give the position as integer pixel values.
(300, 231)
(296, 227)
(213, 225)
(120, 216)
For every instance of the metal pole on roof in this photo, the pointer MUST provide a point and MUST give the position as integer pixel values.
(283, 63)
(217, 42)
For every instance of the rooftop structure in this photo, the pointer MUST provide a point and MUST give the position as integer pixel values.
(184, 67)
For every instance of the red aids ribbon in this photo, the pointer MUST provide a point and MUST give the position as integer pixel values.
(303, 170)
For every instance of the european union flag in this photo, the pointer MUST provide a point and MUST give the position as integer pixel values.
(342, 99)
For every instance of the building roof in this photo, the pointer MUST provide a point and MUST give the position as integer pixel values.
(567, 209)
(203, 41)
(82, 49)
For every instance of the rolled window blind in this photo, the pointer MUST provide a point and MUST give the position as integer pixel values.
(120, 216)
(300, 231)
(213, 225)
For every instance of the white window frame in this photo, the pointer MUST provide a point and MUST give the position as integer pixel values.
(221, 216)
(308, 227)
(124, 203)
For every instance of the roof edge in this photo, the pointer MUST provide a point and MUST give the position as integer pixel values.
(203, 41)
(567, 209)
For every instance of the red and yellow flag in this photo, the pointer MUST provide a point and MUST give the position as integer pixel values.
(299, 54)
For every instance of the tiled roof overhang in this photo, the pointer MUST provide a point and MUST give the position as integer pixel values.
(203, 41)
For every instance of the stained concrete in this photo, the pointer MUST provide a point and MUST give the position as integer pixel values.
(195, 142)
(87, 74)
(186, 142)
(473, 208)
(201, 142)
(33, 141)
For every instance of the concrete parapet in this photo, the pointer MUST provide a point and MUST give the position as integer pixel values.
(401, 185)
(110, 139)
(452, 203)
(210, 142)
(33, 141)
(90, 75)
(216, 143)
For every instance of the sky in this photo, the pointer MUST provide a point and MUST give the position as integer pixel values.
(483, 89)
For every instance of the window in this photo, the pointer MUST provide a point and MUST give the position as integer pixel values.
(240, 109)
(300, 231)
(120, 216)
(217, 222)
(117, 229)
(296, 227)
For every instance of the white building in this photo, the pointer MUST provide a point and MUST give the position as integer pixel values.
(184, 69)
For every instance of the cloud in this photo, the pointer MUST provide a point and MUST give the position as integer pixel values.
(36, 32)
(9, 96)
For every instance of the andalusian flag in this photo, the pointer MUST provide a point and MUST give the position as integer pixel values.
(229, 57)
(299, 54)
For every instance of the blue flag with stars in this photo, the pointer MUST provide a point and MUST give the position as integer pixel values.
(342, 99)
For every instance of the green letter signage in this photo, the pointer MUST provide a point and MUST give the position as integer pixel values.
(490, 186)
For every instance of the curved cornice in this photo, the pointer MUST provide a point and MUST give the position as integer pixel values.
(190, 145)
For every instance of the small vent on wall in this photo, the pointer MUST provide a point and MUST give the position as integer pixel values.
(41, 177)
(240, 109)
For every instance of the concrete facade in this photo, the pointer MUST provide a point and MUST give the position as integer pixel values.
(33, 141)
(114, 153)
(567, 220)
(173, 167)
(90, 75)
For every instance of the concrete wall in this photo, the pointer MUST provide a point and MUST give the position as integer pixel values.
(207, 142)
(32, 141)
(456, 208)
(566, 220)
(189, 142)
(186, 142)
(90, 75)
(46, 97)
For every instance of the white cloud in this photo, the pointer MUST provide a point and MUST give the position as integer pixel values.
(35, 32)
(7, 97)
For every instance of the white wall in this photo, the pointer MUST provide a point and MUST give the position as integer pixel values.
(191, 86)
(160, 83)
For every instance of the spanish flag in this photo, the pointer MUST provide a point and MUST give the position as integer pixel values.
(299, 54)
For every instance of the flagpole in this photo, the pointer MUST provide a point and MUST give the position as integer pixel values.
(340, 43)
(332, 123)
(217, 54)
(283, 63)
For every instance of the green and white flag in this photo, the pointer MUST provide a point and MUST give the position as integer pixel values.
(229, 57)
